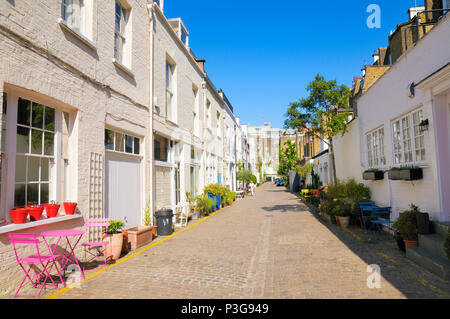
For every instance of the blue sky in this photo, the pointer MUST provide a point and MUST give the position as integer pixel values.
(264, 53)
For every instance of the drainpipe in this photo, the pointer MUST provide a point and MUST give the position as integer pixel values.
(150, 116)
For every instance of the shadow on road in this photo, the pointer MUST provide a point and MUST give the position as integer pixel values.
(410, 279)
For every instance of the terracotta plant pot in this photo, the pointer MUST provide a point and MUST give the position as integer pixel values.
(51, 210)
(155, 231)
(125, 241)
(344, 221)
(114, 248)
(35, 212)
(69, 207)
(411, 243)
(140, 236)
(19, 215)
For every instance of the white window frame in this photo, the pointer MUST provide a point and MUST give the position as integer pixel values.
(170, 92)
(122, 38)
(196, 108)
(123, 149)
(58, 161)
(73, 13)
(208, 115)
(376, 156)
(404, 133)
(219, 125)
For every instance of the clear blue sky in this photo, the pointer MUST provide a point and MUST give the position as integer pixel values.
(264, 53)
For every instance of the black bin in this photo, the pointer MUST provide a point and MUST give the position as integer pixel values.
(164, 221)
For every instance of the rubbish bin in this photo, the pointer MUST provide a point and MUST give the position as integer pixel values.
(164, 221)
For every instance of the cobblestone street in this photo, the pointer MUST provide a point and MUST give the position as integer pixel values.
(266, 246)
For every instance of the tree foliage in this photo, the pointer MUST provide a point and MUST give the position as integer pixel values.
(288, 158)
(318, 113)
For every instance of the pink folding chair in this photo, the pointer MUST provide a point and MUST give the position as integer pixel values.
(93, 223)
(34, 261)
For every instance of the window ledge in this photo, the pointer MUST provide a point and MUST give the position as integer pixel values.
(172, 122)
(46, 221)
(77, 34)
(123, 68)
(164, 164)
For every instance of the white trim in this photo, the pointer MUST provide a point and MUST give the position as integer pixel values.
(63, 24)
(164, 164)
(123, 68)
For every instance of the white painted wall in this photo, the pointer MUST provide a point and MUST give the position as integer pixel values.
(387, 100)
(40, 60)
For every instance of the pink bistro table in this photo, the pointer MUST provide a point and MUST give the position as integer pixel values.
(66, 233)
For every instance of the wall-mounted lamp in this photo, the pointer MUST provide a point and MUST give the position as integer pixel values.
(423, 126)
(410, 91)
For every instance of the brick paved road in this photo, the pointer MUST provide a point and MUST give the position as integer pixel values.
(266, 246)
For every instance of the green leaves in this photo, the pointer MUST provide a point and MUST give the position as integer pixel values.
(288, 158)
(318, 112)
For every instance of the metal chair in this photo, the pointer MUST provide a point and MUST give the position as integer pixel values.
(378, 220)
(182, 215)
(94, 223)
(33, 261)
(364, 208)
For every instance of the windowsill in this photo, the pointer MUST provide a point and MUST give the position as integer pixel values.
(171, 122)
(123, 68)
(77, 34)
(164, 164)
(410, 165)
(47, 221)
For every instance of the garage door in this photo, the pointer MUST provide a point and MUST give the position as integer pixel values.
(123, 189)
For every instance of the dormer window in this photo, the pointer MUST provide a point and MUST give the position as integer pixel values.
(181, 30)
(160, 3)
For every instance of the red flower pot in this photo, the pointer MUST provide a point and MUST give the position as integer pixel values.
(51, 210)
(69, 208)
(35, 212)
(19, 215)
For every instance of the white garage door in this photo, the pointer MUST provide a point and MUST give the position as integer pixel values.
(123, 189)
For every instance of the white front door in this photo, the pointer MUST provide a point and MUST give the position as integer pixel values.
(123, 189)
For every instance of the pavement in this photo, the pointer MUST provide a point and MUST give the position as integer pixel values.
(269, 245)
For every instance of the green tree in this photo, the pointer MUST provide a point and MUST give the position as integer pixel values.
(288, 158)
(320, 113)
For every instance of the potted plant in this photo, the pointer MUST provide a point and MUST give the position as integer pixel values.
(19, 215)
(216, 191)
(343, 215)
(422, 220)
(230, 197)
(407, 173)
(69, 207)
(35, 212)
(373, 174)
(192, 206)
(325, 209)
(115, 238)
(51, 209)
(398, 238)
(205, 204)
(407, 227)
(141, 235)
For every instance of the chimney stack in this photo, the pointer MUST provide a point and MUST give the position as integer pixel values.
(201, 64)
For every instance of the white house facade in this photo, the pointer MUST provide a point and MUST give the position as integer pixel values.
(404, 120)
